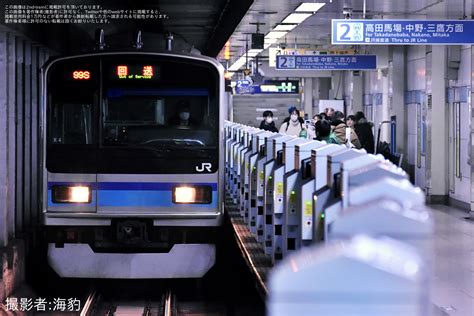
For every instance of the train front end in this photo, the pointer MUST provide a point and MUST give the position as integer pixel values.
(132, 174)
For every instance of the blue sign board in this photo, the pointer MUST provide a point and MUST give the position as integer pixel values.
(326, 62)
(268, 87)
(403, 32)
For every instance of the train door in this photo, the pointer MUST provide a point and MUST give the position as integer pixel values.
(459, 141)
(417, 111)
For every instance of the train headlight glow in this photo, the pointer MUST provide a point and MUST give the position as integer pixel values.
(185, 195)
(201, 194)
(71, 194)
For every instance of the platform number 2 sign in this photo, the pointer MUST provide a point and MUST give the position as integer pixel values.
(349, 32)
(286, 62)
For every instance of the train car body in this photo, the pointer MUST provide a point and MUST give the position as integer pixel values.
(132, 164)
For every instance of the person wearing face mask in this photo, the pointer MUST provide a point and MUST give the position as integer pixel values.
(183, 120)
(293, 125)
(268, 124)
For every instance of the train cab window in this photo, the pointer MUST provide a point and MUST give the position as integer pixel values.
(106, 111)
(73, 93)
(154, 119)
(71, 115)
(160, 113)
(71, 124)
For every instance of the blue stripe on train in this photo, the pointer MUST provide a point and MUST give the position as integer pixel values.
(120, 198)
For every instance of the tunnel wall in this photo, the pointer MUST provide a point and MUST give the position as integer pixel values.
(20, 95)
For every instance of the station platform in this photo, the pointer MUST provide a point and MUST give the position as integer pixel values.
(452, 289)
(453, 282)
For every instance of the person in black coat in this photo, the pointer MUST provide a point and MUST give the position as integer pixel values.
(267, 123)
(363, 129)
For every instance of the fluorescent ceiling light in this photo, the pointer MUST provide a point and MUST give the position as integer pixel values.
(239, 63)
(275, 35)
(309, 7)
(270, 40)
(296, 18)
(285, 27)
(288, 24)
(254, 52)
(234, 67)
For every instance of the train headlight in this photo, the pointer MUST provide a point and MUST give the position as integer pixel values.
(71, 194)
(201, 194)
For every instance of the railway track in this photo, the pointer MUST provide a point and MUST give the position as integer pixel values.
(96, 304)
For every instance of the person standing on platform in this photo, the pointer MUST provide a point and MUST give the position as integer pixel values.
(363, 129)
(329, 114)
(293, 125)
(268, 124)
(339, 127)
(324, 132)
(350, 121)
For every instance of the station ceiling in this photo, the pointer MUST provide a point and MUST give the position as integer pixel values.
(201, 24)
(207, 25)
(316, 30)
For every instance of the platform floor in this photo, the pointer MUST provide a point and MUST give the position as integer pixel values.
(453, 283)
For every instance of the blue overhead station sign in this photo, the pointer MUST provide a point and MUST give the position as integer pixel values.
(403, 32)
(326, 62)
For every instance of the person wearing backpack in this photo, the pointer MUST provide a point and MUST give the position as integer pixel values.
(292, 125)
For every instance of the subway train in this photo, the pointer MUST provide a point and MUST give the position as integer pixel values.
(132, 183)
